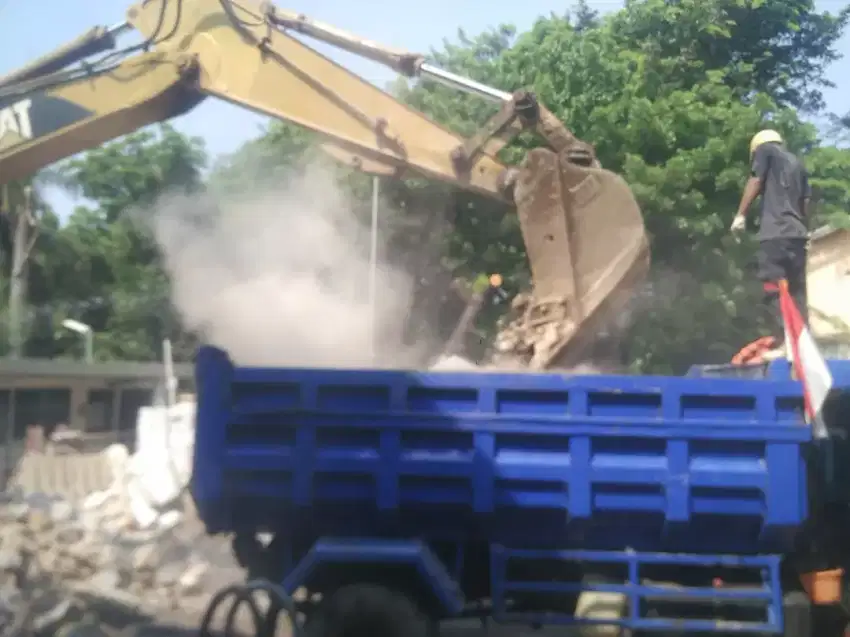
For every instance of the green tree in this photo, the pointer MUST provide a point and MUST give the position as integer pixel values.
(264, 161)
(830, 167)
(41, 229)
(111, 277)
(670, 93)
(777, 47)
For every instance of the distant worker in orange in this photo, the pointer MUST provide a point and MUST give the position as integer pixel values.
(781, 179)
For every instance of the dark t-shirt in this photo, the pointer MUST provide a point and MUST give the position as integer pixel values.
(785, 184)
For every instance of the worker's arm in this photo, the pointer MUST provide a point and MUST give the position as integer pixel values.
(751, 191)
(753, 188)
(755, 184)
(805, 200)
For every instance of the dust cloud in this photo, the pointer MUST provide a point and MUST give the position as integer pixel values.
(281, 277)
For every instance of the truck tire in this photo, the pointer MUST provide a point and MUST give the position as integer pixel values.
(359, 610)
(797, 609)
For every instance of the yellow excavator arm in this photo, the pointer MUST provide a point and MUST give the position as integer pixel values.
(582, 227)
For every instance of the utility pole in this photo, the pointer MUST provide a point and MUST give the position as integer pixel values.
(373, 266)
(22, 218)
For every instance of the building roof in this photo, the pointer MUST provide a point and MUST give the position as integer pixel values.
(129, 370)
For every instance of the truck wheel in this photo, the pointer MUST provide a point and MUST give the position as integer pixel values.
(798, 614)
(359, 610)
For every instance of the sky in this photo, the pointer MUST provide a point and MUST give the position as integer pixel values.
(27, 32)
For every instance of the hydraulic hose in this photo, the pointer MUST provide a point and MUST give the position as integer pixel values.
(265, 620)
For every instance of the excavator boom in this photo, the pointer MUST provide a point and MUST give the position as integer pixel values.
(40, 127)
(583, 230)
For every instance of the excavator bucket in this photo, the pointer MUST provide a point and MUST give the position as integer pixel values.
(585, 241)
(583, 231)
(587, 250)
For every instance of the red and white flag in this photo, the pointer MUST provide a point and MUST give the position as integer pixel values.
(809, 364)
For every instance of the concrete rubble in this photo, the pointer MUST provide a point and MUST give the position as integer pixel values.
(533, 332)
(63, 557)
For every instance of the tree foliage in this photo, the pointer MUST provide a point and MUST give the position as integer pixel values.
(102, 266)
(669, 92)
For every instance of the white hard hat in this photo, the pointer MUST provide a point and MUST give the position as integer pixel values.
(765, 136)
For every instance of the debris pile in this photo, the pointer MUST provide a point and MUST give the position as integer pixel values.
(533, 333)
(61, 558)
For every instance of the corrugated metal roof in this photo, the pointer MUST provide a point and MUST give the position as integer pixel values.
(79, 369)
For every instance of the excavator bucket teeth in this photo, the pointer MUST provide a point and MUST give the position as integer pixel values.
(587, 249)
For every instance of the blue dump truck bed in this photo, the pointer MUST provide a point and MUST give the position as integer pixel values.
(690, 464)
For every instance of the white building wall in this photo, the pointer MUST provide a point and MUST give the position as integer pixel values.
(829, 286)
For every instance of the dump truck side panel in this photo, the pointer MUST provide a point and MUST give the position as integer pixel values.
(658, 464)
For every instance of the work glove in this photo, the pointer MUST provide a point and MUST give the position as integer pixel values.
(739, 224)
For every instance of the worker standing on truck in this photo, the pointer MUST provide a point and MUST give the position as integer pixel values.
(781, 179)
